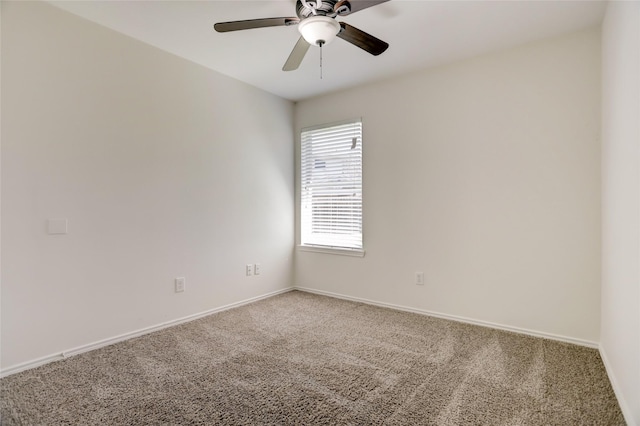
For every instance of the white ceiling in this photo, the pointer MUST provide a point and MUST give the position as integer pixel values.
(421, 34)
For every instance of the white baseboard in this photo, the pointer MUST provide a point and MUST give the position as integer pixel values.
(457, 318)
(622, 402)
(101, 343)
(110, 341)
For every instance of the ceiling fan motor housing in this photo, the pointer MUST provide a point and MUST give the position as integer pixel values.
(306, 8)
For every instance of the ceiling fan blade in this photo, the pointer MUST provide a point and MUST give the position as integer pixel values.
(361, 39)
(347, 7)
(297, 55)
(223, 27)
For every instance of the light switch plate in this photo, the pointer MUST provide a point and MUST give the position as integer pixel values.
(180, 284)
(57, 226)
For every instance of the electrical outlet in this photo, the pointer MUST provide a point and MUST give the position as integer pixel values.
(249, 269)
(180, 284)
(256, 269)
(419, 278)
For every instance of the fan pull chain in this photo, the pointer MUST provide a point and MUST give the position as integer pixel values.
(320, 61)
(320, 44)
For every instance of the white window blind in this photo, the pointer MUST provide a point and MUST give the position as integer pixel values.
(331, 185)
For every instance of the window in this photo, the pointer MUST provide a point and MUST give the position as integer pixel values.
(331, 186)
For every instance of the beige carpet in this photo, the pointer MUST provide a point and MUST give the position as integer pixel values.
(304, 359)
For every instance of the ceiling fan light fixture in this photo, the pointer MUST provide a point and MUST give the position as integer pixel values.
(318, 30)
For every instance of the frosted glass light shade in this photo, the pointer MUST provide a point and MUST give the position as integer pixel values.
(319, 29)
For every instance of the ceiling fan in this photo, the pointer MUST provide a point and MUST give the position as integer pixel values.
(318, 26)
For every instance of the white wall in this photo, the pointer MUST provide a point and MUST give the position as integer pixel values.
(484, 174)
(620, 329)
(163, 169)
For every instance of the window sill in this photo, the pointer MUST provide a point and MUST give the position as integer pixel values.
(333, 250)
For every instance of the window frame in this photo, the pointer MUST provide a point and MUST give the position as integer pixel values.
(331, 249)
